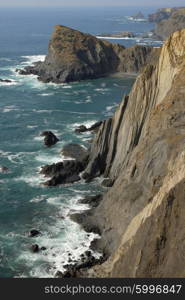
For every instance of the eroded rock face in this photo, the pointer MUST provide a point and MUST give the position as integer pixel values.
(142, 148)
(74, 56)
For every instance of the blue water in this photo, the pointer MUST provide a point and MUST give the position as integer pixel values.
(28, 107)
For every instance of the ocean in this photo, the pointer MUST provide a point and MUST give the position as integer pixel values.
(28, 107)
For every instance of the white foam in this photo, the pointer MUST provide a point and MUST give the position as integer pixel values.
(88, 124)
(60, 239)
(115, 38)
(31, 59)
(46, 94)
(32, 180)
(31, 126)
(38, 199)
(9, 108)
(49, 159)
(38, 138)
(67, 86)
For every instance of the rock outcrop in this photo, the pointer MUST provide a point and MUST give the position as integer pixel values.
(142, 149)
(174, 20)
(75, 56)
(50, 138)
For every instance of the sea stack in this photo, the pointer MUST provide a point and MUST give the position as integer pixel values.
(75, 56)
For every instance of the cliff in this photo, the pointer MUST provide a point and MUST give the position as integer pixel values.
(161, 14)
(174, 20)
(142, 149)
(73, 56)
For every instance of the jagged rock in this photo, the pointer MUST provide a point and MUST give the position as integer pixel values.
(49, 138)
(107, 182)
(75, 151)
(65, 172)
(34, 233)
(83, 128)
(75, 56)
(35, 248)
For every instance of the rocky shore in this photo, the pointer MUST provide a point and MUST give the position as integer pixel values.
(139, 152)
(75, 56)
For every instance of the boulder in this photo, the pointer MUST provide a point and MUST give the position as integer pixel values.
(107, 182)
(75, 151)
(80, 129)
(49, 138)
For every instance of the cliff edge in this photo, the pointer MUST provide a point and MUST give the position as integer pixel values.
(142, 150)
(74, 56)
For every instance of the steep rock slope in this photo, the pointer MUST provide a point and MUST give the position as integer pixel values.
(74, 56)
(142, 148)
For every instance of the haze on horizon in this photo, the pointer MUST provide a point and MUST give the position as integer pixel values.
(137, 3)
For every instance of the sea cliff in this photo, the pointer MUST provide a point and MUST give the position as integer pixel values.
(142, 150)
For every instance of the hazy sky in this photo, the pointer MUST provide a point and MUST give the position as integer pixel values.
(164, 3)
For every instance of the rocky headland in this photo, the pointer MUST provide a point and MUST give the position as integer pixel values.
(74, 56)
(168, 20)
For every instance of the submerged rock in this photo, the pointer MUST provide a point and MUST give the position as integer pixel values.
(34, 233)
(49, 138)
(4, 169)
(6, 80)
(35, 248)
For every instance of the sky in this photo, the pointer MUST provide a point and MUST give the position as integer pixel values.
(156, 3)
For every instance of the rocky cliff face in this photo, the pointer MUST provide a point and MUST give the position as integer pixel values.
(142, 148)
(174, 20)
(74, 56)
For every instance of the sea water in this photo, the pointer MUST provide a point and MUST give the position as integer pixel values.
(28, 107)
